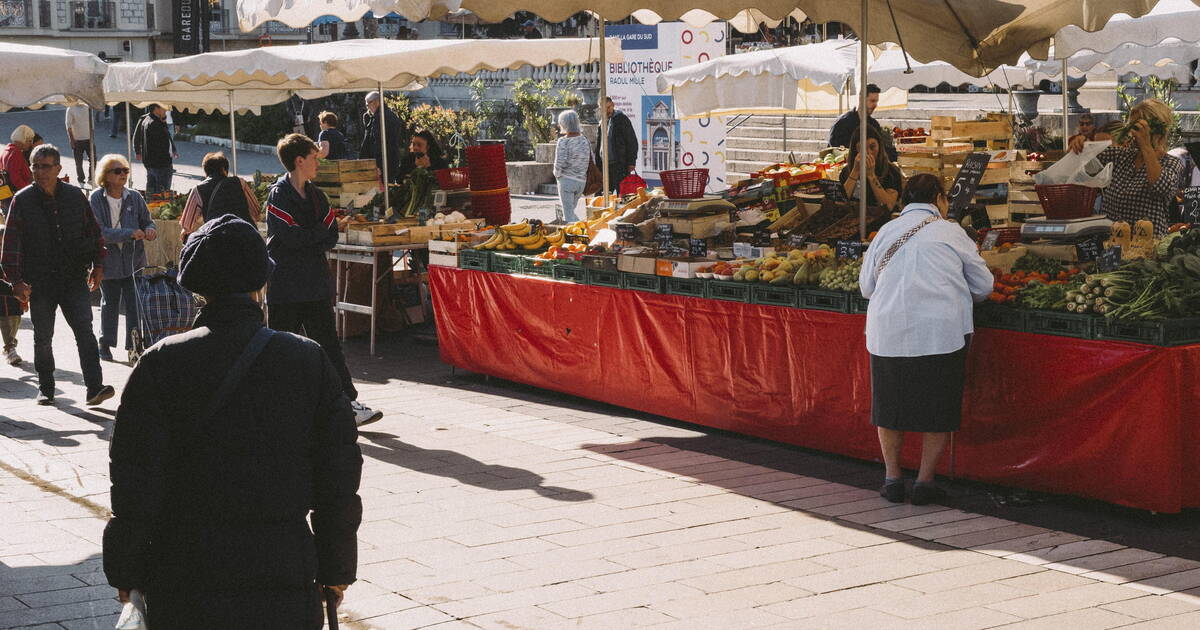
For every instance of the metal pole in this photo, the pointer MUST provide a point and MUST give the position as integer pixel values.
(604, 115)
(129, 143)
(862, 126)
(382, 122)
(785, 133)
(233, 132)
(91, 146)
(1065, 115)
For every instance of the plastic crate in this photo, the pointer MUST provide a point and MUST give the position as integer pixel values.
(825, 300)
(604, 278)
(532, 267)
(690, 287)
(685, 183)
(998, 316)
(570, 272)
(478, 259)
(642, 282)
(1171, 332)
(858, 304)
(728, 291)
(507, 262)
(1061, 324)
(774, 295)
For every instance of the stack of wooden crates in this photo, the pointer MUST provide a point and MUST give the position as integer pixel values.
(348, 183)
(950, 141)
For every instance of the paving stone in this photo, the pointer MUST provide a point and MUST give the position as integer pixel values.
(1150, 607)
(951, 600)
(1075, 598)
(1189, 621)
(949, 579)
(1143, 570)
(848, 599)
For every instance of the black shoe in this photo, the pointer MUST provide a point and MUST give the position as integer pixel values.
(926, 493)
(893, 491)
(105, 353)
(45, 399)
(100, 395)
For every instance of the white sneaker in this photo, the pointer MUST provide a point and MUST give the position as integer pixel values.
(363, 414)
(12, 357)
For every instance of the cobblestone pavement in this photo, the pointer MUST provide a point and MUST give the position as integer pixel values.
(490, 505)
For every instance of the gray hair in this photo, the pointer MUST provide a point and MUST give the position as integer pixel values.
(372, 96)
(45, 150)
(568, 121)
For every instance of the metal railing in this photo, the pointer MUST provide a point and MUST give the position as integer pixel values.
(93, 15)
(585, 76)
(16, 14)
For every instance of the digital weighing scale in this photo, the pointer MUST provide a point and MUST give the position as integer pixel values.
(1066, 230)
(703, 205)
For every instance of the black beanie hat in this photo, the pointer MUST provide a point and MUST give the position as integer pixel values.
(226, 255)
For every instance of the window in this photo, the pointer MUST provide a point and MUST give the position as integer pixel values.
(93, 14)
(151, 24)
(44, 16)
(15, 14)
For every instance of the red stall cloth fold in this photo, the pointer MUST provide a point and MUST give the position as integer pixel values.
(1112, 421)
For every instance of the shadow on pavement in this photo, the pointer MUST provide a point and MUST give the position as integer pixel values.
(387, 448)
(43, 585)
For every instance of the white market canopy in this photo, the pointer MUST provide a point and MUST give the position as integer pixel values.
(1170, 59)
(1170, 19)
(889, 70)
(39, 75)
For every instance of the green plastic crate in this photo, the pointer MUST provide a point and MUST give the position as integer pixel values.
(478, 259)
(507, 262)
(728, 290)
(642, 282)
(774, 295)
(858, 303)
(532, 268)
(690, 287)
(825, 300)
(569, 272)
(1061, 324)
(604, 278)
(998, 316)
(1171, 332)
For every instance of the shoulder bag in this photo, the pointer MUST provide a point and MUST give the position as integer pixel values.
(594, 176)
(898, 243)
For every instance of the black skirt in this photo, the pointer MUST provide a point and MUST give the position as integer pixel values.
(921, 394)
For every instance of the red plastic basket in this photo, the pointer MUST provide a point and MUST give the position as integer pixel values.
(1067, 201)
(686, 183)
(452, 178)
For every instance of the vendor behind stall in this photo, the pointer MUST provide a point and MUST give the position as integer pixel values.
(1144, 177)
(423, 151)
(884, 180)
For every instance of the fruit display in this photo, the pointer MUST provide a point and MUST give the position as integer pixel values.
(898, 132)
(524, 236)
(796, 267)
(563, 251)
(841, 277)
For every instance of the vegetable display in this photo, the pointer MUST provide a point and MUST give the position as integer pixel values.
(418, 187)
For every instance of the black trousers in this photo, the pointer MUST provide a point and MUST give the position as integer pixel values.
(314, 320)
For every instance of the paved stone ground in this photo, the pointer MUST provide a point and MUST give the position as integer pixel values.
(490, 505)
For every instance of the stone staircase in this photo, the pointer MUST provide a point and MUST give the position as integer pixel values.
(761, 141)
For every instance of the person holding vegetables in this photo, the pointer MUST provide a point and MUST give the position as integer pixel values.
(883, 178)
(921, 275)
(1144, 177)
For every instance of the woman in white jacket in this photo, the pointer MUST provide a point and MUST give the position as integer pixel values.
(571, 160)
(921, 274)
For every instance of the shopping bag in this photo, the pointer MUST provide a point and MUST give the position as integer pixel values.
(1073, 168)
(133, 615)
(594, 180)
(631, 184)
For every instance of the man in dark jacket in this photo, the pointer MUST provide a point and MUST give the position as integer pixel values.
(622, 146)
(370, 144)
(301, 228)
(843, 130)
(154, 147)
(210, 510)
(52, 253)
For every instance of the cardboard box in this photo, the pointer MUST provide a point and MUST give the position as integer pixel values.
(445, 260)
(445, 247)
(601, 262)
(636, 264)
(698, 227)
(1003, 261)
(746, 250)
(679, 267)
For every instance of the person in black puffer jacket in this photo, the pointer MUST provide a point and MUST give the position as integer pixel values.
(210, 521)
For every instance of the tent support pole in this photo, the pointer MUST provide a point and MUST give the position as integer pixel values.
(785, 133)
(91, 146)
(129, 141)
(1066, 116)
(603, 115)
(233, 132)
(382, 122)
(862, 125)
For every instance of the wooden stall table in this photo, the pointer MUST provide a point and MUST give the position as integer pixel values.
(345, 254)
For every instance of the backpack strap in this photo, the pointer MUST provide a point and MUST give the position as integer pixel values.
(235, 376)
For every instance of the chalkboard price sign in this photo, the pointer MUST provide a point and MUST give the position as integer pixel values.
(628, 232)
(760, 238)
(663, 233)
(1190, 212)
(697, 248)
(797, 240)
(965, 183)
(1089, 249)
(1109, 259)
(849, 249)
(989, 241)
(833, 190)
(979, 217)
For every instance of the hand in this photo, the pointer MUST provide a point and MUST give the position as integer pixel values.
(123, 596)
(174, 155)
(138, 235)
(340, 593)
(423, 161)
(632, 168)
(1141, 134)
(151, 234)
(95, 277)
(21, 291)
(1075, 145)
(138, 156)
(870, 162)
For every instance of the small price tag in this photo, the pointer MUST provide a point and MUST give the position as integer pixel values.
(1109, 259)
(664, 233)
(849, 249)
(1190, 211)
(760, 238)
(697, 248)
(979, 217)
(832, 189)
(1089, 249)
(628, 232)
(797, 241)
(989, 241)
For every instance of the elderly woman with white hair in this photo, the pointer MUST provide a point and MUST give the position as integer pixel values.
(12, 160)
(571, 159)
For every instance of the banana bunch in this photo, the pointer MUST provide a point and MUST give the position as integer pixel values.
(522, 236)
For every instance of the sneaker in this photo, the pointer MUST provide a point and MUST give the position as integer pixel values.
(12, 357)
(893, 491)
(100, 395)
(364, 414)
(45, 399)
(105, 353)
(926, 493)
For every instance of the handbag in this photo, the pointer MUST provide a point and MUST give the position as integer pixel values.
(594, 178)
(133, 615)
(898, 243)
(631, 184)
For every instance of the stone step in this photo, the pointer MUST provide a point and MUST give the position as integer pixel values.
(776, 144)
(793, 133)
(772, 155)
(548, 189)
(750, 166)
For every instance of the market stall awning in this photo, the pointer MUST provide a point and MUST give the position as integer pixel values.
(252, 14)
(1169, 59)
(1170, 19)
(805, 79)
(889, 70)
(748, 21)
(39, 75)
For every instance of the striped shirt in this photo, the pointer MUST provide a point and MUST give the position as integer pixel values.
(571, 158)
